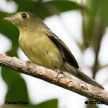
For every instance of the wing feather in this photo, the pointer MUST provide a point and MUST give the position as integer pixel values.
(65, 52)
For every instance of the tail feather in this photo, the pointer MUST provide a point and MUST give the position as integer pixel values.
(81, 75)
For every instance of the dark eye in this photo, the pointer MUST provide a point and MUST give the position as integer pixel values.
(24, 15)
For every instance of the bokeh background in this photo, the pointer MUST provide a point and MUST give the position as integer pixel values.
(81, 24)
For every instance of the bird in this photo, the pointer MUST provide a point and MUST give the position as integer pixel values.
(43, 47)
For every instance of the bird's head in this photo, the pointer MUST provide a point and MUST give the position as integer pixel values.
(24, 20)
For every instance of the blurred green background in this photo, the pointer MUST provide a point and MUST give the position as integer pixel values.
(94, 24)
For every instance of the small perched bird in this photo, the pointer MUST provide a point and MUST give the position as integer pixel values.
(43, 47)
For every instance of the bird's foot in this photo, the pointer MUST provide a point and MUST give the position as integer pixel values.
(28, 61)
(58, 71)
(60, 74)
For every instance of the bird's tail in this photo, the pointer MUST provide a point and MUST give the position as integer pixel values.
(81, 75)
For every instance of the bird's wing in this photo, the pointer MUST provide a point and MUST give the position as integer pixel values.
(65, 52)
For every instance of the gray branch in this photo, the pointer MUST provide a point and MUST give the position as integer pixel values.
(51, 76)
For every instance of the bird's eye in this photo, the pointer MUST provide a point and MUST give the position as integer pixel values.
(24, 15)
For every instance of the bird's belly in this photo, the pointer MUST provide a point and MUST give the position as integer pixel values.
(42, 51)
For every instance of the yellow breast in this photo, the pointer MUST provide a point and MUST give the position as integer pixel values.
(40, 50)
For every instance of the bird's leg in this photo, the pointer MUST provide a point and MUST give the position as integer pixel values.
(28, 61)
(60, 74)
(29, 64)
(58, 71)
(61, 77)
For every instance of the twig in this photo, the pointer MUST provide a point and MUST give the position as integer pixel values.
(101, 67)
(51, 76)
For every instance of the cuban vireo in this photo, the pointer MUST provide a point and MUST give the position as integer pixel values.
(43, 47)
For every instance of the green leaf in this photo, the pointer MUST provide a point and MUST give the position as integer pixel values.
(45, 9)
(48, 104)
(7, 28)
(61, 6)
(10, 31)
(94, 21)
(9, 76)
(92, 106)
(17, 90)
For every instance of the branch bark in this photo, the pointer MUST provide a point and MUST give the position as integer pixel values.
(51, 76)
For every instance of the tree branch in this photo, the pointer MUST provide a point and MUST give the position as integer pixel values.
(51, 76)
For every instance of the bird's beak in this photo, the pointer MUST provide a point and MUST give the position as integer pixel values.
(10, 19)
